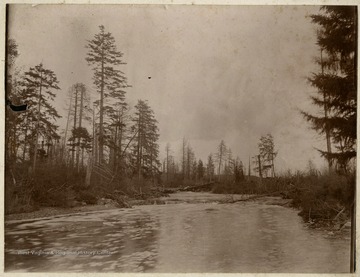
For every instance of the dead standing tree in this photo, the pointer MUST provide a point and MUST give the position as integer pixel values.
(220, 156)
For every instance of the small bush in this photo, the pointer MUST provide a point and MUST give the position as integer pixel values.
(50, 185)
(18, 194)
(317, 196)
(86, 196)
(320, 196)
(61, 198)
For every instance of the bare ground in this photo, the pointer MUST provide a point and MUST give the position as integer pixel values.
(53, 211)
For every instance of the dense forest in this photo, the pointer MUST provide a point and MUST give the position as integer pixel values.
(111, 149)
(103, 144)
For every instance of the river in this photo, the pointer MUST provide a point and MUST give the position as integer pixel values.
(193, 232)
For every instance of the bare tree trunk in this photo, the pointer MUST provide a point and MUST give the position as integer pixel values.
(183, 158)
(82, 157)
(119, 153)
(75, 118)
(25, 138)
(96, 148)
(139, 149)
(81, 106)
(48, 150)
(188, 163)
(37, 124)
(327, 129)
(167, 162)
(88, 172)
(80, 121)
(13, 142)
(114, 150)
(66, 130)
(151, 167)
(94, 142)
(101, 127)
(220, 161)
(259, 161)
(273, 165)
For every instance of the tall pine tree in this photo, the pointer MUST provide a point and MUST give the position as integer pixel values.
(336, 83)
(145, 146)
(39, 86)
(210, 168)
(104, 57)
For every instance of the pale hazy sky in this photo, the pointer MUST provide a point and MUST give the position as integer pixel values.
(217, 72)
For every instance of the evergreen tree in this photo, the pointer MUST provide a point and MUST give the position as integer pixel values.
(104, 56)
(267, 154)
(190, 158)
(336, 83)
(116, 122)
(238, 170)
(168, 157)
(145, 146)
(210, 168)
(116, 132)
(85, 141)
(200, 169)
(79, 108)
(39, 85)
(229, 164)
(194, 170)
(258, 165)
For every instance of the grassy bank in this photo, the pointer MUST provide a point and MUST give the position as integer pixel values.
(322, 198)
(63, 187)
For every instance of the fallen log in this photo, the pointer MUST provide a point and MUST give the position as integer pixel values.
(207, 186)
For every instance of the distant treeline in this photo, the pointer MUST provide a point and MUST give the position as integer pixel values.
(109, 148)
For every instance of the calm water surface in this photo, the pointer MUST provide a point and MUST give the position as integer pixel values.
(192, 233)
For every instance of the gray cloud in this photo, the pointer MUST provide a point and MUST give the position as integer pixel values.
(221, 72)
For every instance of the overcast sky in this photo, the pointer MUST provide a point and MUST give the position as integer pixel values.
(217, 72)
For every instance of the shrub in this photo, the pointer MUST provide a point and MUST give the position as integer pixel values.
(320, 196)
(61, 198)
(88, 197)
(18, 197)
(50, 185)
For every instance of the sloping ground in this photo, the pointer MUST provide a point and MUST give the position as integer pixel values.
(179, 197)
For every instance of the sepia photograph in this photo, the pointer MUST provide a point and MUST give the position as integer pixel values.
(173, 138)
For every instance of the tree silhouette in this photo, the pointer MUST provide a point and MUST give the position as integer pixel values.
(336, 83)
(104, 56)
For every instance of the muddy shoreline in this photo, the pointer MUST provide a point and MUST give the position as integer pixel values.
(49, 212)
(44, 212)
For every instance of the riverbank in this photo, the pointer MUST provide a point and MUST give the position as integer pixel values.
(179, 198)
(54, 211)
(106, 204)
(323, 200)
